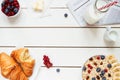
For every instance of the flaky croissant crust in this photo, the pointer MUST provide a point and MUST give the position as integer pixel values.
(10, 69)
(24, 59)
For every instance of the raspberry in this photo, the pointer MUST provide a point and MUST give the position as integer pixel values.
(10, 7)
(98, 57)
(89, 65)
(89, 71)
(105, 70)
(47, 62)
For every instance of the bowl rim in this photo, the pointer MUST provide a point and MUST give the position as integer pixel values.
(12, 15)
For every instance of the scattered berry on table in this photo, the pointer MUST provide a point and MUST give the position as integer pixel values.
(106, 70)
(65, 15)
(58, 70)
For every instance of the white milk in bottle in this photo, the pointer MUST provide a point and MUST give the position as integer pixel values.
(92, 14)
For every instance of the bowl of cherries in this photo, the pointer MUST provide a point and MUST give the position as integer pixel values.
(10, 8)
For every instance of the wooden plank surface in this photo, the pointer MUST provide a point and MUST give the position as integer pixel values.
(68, 60)
(53, 17)
(61, 37)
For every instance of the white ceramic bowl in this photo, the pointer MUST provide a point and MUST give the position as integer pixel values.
(16, 15)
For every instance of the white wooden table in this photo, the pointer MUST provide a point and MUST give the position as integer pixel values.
(66, 43)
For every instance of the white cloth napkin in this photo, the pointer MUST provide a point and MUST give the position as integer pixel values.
(77, 8)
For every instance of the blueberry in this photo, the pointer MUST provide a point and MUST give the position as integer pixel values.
(84, 68)
(16, 10)
(11, 7)
(98, 69)
(65, 15)
(93, 78)
(11, 1)
(104, 78)
(101, 75)
(3, 3)
(102, 72)
(6, 11)
(58, 70)
(8, 7)
(102, 57)
(109, 65)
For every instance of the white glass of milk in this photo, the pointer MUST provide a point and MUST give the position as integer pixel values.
(93, 14)
(111, 35)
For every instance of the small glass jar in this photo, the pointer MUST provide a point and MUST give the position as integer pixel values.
(92, 13)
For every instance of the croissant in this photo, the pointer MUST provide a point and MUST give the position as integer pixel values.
(10, 69)
(25, 60)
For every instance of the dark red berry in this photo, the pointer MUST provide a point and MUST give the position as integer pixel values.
(98, 57)
(95, 63)
(10, 7)
(105, 70)
(87, 77)
(89, 71)
(47, 62)
(89, 65)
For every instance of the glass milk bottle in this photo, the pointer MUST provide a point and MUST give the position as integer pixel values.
(93, 14)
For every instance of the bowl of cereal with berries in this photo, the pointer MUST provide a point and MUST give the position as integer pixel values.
(10, 8)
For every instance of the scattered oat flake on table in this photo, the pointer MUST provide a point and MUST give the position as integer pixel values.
(47, 62)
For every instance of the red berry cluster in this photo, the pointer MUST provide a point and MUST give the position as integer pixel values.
(90, 67)
(10, 7)
(47, 62)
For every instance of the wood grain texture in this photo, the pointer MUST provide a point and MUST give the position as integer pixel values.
(56, 37)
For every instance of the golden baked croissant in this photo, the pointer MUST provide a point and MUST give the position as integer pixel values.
(25, 60)
(10, 69)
